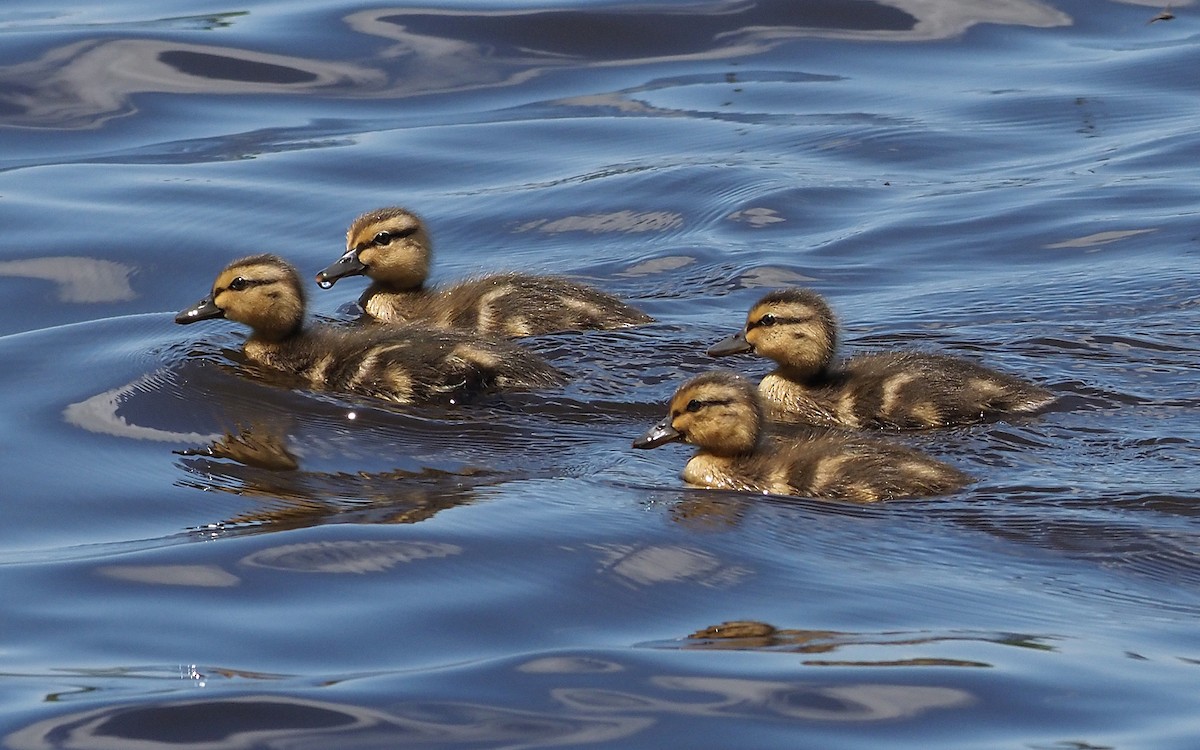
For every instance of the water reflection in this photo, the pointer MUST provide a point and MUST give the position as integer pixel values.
(351, 556)
(299, 499)
(79, 279)
(1098, 238)
(703, 30)
(419, 462)
(580, 698)
(617, 221)
(256, 462)
(753, 635)
(439, 50)
(659, 564)
(730, 697)
(83, 84)
(257, 721)
(204, 576)
(233, 722)
(357, 556)
(100, 413)
(256, 445)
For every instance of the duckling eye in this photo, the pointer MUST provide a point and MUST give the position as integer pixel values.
(694, 406)
(238, 284)
(767, 320)
(386, 236)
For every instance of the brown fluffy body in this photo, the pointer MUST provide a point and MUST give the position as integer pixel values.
(894, 390)
(721, 414)
(506, 304)
(403, 364)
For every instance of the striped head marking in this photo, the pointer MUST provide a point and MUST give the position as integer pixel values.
(263, 292)
(717, 411)
(794, 327)
(392, 246)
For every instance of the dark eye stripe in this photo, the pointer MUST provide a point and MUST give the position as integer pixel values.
(240, 284)
(774, 320)
(385, 237)
(696, 404)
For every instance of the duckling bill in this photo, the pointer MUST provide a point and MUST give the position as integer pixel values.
(403, 364)
(347, 265)
(391, 246)
(892, 390)
(722, 415)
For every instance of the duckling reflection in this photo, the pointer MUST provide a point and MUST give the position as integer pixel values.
(897, 390)
(720, 413)
(296, 498)
(392, 247)
(710, 512)
(255, 445)
(400, 364)
(753, 635)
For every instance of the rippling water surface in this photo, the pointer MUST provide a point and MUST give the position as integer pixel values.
(194, 557)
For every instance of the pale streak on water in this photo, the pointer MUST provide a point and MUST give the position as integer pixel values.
(193, 555)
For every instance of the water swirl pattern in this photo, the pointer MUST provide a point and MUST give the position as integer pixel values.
(195, 554)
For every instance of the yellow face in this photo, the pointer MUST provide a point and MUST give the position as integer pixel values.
(393, 245)
(799, 335)
(262, 292)
(716, 411)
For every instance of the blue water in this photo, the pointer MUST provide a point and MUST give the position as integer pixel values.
(1010, 182)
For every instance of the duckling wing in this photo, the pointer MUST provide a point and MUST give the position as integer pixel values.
(917, 390)
(839, 465)
(485, 364)
(515, 305)
(409, 364)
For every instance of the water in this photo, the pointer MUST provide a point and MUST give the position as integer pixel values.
(1014, 183)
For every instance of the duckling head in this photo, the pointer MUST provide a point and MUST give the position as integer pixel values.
(262, 291)
(390, 245)
(717, 411)
(794, 327)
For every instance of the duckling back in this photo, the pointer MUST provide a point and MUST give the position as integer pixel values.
(510, 305)
(406, 364)
(832, 464)
(902, 391)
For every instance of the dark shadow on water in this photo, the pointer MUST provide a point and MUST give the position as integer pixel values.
(549, 699)
(222, 67)
(624, 34)
(432, 50)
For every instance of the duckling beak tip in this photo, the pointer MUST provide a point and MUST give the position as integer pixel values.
(735, 344)
(205, 309)
(347, 265)
(660, 434)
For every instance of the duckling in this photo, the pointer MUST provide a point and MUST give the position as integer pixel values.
(896, 390)
(721, 413)
(392, 247)
(400, 364)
